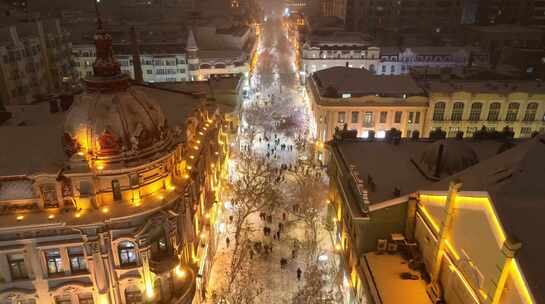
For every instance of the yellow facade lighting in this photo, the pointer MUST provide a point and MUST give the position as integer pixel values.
(100, 167)
(105, 210)
(171, 188)
(186, 176)
(78, 215)
(20, 217)
(180, 272)
(202, 235)
(338, 247)
(191, 156)
(51, 216)
(207, 215)
(80, 153)
(161, 197)
(189, 167)
(198, 141)
(196, 147)
(201, 133)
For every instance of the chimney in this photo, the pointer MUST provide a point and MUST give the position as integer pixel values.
(438, 161)
(138, 76)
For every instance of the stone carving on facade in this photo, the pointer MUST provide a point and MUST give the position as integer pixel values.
(109, 143)
(70, 145)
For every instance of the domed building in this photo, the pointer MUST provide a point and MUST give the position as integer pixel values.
(104, 203)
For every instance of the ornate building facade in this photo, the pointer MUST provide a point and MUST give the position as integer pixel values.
(127, 214)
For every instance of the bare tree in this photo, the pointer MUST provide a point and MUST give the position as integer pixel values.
(307, 195)
(315, 290)
(240, 286)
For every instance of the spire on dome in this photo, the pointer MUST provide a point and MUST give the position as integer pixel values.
(105, 64)
(191, 44)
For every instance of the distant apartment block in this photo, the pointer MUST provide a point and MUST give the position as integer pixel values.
(34, 61)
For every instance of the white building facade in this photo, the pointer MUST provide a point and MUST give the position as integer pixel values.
(320, 53)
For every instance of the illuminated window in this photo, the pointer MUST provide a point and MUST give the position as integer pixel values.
(475, 112)
(127, 253)
(54, 261)
(17, 266)
(530, 114)
(512, 111)
(439, 111)
(77, 259)
(367, 118)
(494, 111)
(457, 111)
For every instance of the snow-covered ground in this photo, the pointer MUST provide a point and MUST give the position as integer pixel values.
(275, 75)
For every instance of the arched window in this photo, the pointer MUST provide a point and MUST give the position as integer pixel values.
(475, 113)
(457, 111)
(494, 111)
(530, 114)
(439, 111)
(127, 253)
(512, 111)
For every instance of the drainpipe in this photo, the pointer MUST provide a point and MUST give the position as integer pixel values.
(450, 207)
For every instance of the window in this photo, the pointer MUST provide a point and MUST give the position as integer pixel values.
(417, 118)
(77, 259)
(475, 112)
(453, 131)
(439, 111)
(54, 261)
(397, 117)
(531, 110)
(411, 117)
(17, 266)
(525, 132)
(127, 253)
(149, 72)
(355, 117)
(383, 116)
(341, 117)
(383, 69)
(86, 298)
(49, 195)
(367, 118)
(512, 111)
(392, 69)
(470, 131)
(133, 295)
(116, 189)
(494, 111)
(457, 111)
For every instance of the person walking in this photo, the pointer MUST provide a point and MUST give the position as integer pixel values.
(227, 242)
(299, 272)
